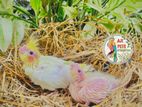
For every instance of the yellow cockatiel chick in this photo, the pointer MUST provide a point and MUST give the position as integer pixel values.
(47, 71)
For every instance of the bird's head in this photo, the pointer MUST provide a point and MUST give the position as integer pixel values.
(29, 52)
(77, 73)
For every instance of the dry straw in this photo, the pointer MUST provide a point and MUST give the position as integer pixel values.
(64, 40)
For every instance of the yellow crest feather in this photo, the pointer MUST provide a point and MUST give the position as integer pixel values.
(32, 43)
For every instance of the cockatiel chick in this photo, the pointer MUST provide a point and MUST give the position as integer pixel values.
(93, 87)
(47, 71)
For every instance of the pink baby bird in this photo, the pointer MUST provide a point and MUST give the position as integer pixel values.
(93, 87)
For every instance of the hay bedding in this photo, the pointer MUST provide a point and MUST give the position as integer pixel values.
(63, 40)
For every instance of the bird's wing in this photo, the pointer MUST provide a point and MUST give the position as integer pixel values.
(103, 75)
(94, 90)
(49, 79)
(52, 72)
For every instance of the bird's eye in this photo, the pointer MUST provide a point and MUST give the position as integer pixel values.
(79, 71)
(31, 52)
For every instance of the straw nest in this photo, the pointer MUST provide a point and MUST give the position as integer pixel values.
(63, 40)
